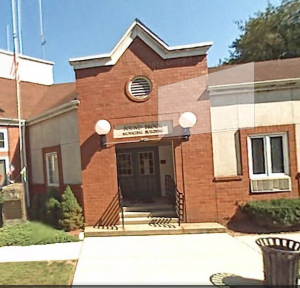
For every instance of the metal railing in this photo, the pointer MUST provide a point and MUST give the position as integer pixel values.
(175, 197)
(120, 197)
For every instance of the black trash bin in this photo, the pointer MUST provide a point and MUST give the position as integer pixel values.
(281, 260)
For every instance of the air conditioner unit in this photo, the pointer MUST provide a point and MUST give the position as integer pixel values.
(270, 185)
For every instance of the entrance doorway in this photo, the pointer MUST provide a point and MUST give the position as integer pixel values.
(139, 172)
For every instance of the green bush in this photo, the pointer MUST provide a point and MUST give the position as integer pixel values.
(70, 212)
(37, 209)
(32, 233)
(274, 213)
(1, 196)
(52, 207)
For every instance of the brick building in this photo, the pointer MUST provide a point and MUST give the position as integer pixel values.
(244, 145)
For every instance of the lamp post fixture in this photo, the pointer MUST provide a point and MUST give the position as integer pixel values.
(102, 128)
(187, 120)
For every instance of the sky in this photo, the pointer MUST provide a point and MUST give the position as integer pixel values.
(76, 28)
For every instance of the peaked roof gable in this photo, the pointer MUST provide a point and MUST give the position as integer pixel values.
(138, 29)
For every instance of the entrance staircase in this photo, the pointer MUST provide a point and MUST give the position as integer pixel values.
(157, 218)
(157, 213)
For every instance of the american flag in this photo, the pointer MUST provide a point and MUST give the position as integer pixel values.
(15, 68)
(11, 170)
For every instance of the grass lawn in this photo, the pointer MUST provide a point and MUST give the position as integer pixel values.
(37, 273)
(33, 233)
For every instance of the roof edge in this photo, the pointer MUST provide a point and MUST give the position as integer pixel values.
(53, 112)
(138, 29)
(28, 57)
(253, 86)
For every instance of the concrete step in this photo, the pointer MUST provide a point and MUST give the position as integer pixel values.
(150, 220)
(159, 213)
(159, 229)
(147, 207)
(135, 214)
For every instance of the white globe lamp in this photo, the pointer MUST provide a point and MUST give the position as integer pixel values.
(102, 128)
(187, 120)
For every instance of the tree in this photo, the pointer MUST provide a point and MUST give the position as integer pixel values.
(272, 34)
(70, 212)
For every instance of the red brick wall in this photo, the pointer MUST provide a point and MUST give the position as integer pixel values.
(13, 149)
(102, 95)
(231, 191)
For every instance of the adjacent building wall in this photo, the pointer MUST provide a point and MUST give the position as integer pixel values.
(30, 69)
(232, 112)
(235, 116)
(60, 132)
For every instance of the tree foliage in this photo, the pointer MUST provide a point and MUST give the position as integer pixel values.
(272, 34)
(70, 212)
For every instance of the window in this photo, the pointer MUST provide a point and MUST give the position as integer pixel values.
(3, 140)
(3, 171)
(268, 155)
(52, 169)
(146, 163)
(124, 164)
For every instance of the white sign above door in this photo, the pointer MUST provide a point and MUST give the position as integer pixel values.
(143, 129)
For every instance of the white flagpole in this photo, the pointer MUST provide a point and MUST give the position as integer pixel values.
(16, 59)
(17, 78)
(43, 40)
(20, 26)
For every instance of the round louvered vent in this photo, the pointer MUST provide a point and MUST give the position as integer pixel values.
(140, 87)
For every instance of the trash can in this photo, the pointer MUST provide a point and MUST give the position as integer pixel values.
(281, 260)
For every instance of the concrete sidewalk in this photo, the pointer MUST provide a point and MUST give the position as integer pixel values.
(249, 240)
(58, 251)
(173, 260)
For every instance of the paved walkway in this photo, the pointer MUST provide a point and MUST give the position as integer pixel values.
(173, 259)
(59, 251)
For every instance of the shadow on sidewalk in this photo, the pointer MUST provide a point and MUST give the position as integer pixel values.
(231, 280)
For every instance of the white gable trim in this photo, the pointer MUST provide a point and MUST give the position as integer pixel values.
(137, 29)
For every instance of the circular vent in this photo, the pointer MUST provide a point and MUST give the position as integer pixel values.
(140, 87)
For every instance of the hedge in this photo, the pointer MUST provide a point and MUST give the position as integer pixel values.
(274, 213)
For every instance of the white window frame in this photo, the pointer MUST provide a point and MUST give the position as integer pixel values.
(6, 160)
(267, 154)
(5, 149)
(48, 172)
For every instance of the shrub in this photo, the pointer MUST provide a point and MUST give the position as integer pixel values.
(32, 233)
(1, 196)
(52, 207)
(70, 212)
(37, 209)
(274, 213)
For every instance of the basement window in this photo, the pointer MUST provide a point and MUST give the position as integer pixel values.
(52, 169)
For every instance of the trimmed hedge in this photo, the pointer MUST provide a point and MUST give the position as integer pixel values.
(32, 233)
(274, 213)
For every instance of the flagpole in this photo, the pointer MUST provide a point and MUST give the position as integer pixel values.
(20, 26)
(17, 78)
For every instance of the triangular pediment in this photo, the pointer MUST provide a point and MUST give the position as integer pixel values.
(138, 29)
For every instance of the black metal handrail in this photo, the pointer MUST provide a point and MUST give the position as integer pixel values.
(120, 197)
(175, 197)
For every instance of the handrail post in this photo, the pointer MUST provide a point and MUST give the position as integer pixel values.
(121, 206)
(178, 196)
